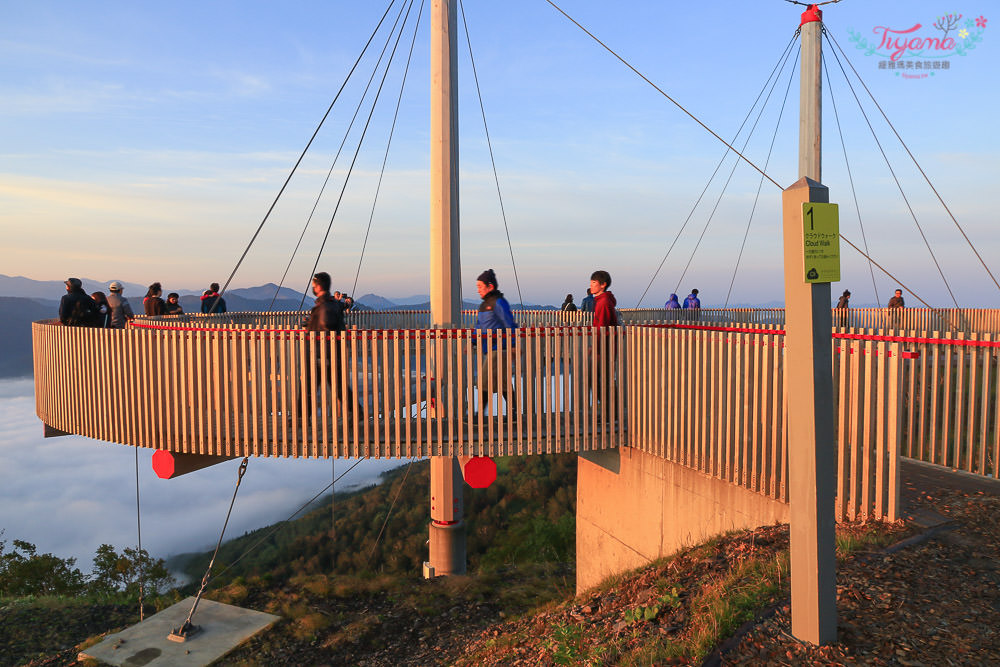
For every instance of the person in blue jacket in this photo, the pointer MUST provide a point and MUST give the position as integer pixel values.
(494, 314)
(672, 302)
(692, 300)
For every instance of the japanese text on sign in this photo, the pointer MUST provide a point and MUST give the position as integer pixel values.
(821, 242)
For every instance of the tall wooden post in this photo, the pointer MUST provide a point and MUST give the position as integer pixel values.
(447, 530)
(808, 366)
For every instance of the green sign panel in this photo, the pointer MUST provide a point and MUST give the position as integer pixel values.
(821, 242)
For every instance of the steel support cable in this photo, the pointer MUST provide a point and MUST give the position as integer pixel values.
(186, 627)
(284, 522)
(782, 59)
(336, 157)
(725, 186)
(891, 277)
(760, 185)
(850, 178)
(357, 151)
(896, 179)
(388, 514)
(489, 144)
(661, 91)
(388, 145)
(919, 168)
(138, 528)
(302, 155)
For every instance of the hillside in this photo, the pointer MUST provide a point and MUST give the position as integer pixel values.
(17, 314)
(929, 599)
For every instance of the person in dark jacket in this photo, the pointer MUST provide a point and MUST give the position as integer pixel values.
(328, 315)
(212, 301)
(568, 305)
(896, 305)
(587, 302)
(76, 308)
(172, 306)
(842, 305)
(152, 304)
(672, 302)
(102, 319)
(494, 314)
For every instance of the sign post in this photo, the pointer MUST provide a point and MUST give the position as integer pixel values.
(811, 263)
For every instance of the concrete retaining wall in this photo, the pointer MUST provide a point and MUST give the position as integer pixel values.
(632, 508)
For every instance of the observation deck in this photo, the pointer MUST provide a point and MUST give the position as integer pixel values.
(704, 389)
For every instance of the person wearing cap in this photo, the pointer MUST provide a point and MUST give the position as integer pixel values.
(211, 301)
(76, 308)
(172, 307)
(121, 311)
(842, 306)
(494, 314)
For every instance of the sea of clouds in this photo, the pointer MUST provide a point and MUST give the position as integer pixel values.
(69, 495)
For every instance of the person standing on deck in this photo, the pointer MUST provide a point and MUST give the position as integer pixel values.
(494, 314)
(212, 301)
(587, 302)
(568, 306)
(172, 306)
(121, 310)
(605, 315)
(672, 302)
(152, 304)
(76, 308)
(896, 305)
(842, 306)
(328, 315)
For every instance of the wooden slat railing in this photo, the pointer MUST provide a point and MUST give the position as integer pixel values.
(234, 391)
(965, 320)
(709, 399)
(715, 401)
(952, 406)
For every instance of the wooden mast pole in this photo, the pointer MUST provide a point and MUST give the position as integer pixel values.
(447, 529)
(812, 457)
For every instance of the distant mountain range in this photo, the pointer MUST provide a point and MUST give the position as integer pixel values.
(23, 301)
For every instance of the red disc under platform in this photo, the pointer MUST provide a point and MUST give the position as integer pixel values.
(163, 464)
(480, 472)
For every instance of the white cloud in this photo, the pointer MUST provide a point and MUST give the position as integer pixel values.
(69, 495)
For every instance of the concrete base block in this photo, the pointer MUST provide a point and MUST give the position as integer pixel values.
(651, 508)
(223, 627)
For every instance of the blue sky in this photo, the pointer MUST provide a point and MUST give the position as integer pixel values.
(145, 141)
